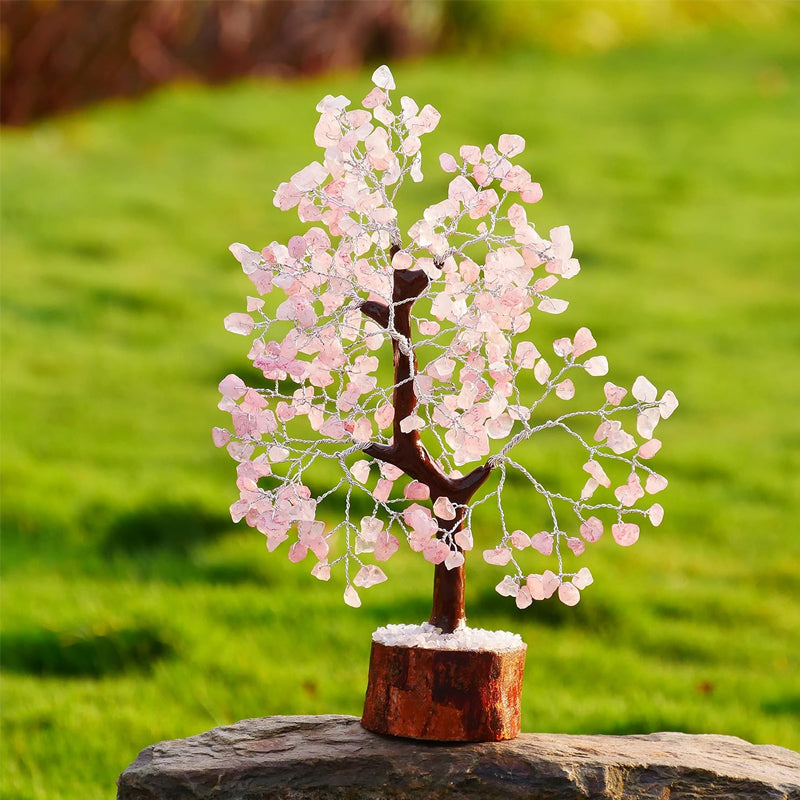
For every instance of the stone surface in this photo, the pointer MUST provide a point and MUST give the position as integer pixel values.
(444, 695)
(300, 758)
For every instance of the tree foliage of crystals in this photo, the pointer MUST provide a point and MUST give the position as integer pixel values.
(461, 289)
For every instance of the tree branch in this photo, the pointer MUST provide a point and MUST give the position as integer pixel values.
(406, 451)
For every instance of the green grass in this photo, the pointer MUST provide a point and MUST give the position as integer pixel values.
(134, 611)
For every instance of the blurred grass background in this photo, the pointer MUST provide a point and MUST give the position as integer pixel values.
(664, 134)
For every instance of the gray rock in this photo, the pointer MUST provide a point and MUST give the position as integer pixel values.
(317, 758)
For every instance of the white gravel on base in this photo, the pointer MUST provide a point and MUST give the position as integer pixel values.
(432, 638)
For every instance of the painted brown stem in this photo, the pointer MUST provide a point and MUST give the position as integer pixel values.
(406, 451)
(449, 609)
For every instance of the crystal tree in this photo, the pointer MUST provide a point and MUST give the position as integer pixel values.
(402, 367)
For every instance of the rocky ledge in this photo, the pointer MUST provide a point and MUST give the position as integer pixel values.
(305, 758)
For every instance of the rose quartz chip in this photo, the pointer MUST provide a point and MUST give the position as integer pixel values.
(376, 97)
(461, 190)
(411, 145)
(297, 552)
(568, 594)
(429, 328)
(592, 529)
(275, 539)
(464, 540)
(412, 423)
(309, 177)
(239, 323)
(534, 585)
(384, 416)
(515, 179)
(369, 575)
(643, 390)
(362, 430)
(227, 404)
(232, 386)
(614, 394)
(454, 560)
(469, 270)
(625, 533)
(499, 428)
(531, 192)
(630, 492)
(286, 196)
(595, 469)
(583, 578)
(481, 174)
(386, 546)
(508, 587)
(382, 490)
(383, 78)
(656, 514)
(322, 571)
(331, 104)
(655, 483)
(427, 120)
(360, 470)
(277, 454)
(444, 509)
(541, 371)
(333, 428)
(220, 436)
(442, 368)
(589, 488)
(510, 144)
(620, 441)
(248, 258)
(668, 404)
(550, 582)
(596, 365)
(583, 342)
(435, 551)
(562, 347)
(448, 163)
(416, 491)
(500, 556)
(470, 153)
(543, 284)
(566, 389)
(543, 542)
(297, 247)
(517, 216)
(520, 539)
(649, 449)
(526, 354)
(370, 528)
(551, 305)
(402, 260)
(351, 597)
(419, 518)
(524, 597)
(646, 422)
(576, 545)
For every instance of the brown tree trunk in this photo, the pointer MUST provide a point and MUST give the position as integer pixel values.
(448, 612)
(407, 451)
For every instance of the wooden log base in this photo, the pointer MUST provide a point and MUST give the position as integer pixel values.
(444, 695)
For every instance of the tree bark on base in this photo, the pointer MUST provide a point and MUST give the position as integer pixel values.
(444, 695)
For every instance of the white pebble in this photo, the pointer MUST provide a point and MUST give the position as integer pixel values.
(464, 638)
